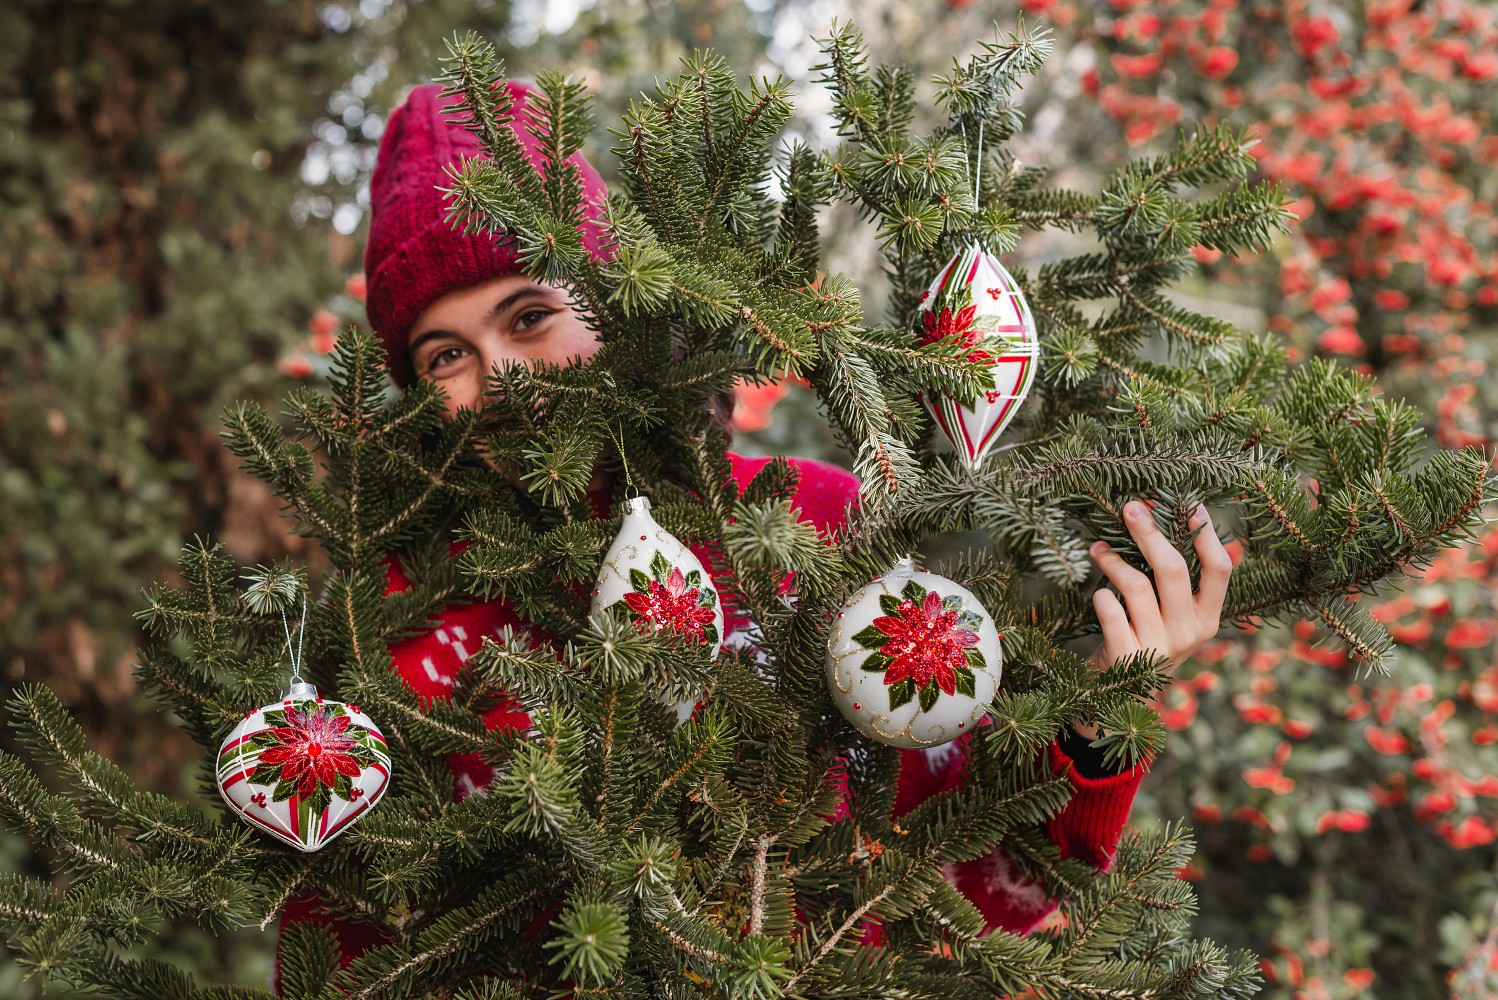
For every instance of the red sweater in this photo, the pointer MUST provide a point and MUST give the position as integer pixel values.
(1088, 828)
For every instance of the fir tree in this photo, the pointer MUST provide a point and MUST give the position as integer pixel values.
(701, 860)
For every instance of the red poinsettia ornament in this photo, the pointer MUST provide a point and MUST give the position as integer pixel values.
(975, 300)
(925, 644)
(314, 748)
(305, 768)
(661, 584)
(913, 658)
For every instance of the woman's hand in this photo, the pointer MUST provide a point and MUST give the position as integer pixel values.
(1177, 622)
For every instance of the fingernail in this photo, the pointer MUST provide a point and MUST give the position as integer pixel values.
(1199, 516)
(1135, 510)
(1099, 547)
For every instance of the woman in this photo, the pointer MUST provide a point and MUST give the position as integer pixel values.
(449, 307)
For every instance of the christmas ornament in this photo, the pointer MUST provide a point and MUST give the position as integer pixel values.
(976, 300)
(660, 584)
(304, 769)
(913, 658)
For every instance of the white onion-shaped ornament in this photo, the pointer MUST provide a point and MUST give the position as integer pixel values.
(913, 658)
(975, 299)
(660, 584)
(304, 769)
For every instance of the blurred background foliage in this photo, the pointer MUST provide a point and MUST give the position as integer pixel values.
(182, 192)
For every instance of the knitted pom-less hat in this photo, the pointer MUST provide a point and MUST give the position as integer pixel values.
(415, 256)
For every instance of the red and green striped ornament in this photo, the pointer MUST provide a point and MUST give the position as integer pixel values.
(977, 301)
(304, 769)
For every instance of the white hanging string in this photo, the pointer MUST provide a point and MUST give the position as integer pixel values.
(301, 630)
(978, 173)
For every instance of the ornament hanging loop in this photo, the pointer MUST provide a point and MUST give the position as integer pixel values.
(631, 491)
(975, 170)
(296, 655)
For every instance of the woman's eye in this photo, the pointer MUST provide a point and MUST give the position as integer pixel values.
(530, 318)
(443, 357)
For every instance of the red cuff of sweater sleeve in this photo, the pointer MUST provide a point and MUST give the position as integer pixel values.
(1092, 822)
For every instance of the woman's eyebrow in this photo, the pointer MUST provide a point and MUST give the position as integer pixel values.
(424, 337)
(514, 297)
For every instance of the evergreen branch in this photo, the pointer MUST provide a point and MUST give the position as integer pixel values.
(703, 751)
(1208, 338)
(854, 918)
(1081, 935)
(473, 923)
(757, 871)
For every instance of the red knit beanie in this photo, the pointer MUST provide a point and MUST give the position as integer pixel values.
(415, 256)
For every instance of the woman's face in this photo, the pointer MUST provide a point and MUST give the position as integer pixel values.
(462, 336)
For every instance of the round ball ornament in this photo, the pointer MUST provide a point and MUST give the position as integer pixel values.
(913, 658)
(975, 299)
(654, 578)
(304, 769)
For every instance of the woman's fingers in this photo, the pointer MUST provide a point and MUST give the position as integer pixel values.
(1175, 622)
(1139, 594)
(1217, 566)
(1177, 608)
(1118, 635)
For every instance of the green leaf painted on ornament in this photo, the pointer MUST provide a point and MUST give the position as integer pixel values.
(284, 790)
(707, 599)
(333, 709)
(870, 637)
(913, 592)
(929, 694)
(639, 581)
(966, 684)
(710, 634)
(974, 659)
(970, 620)
(276, 718)
(660, 568)
(320, 799)
(343, 787)
(304, 817)
(889, 604)
(694, 578)
(952, 602)
(265, 774)
(265, 739)
(876, 663)
(900, 693)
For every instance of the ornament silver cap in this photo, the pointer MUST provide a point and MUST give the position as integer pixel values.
(637, 505)
(302, 691)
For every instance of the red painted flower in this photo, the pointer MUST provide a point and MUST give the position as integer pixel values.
(948, 324)
(312, 749)
(673, 606)
(925, 644)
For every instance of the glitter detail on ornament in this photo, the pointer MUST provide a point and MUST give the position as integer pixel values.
(674, 605)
